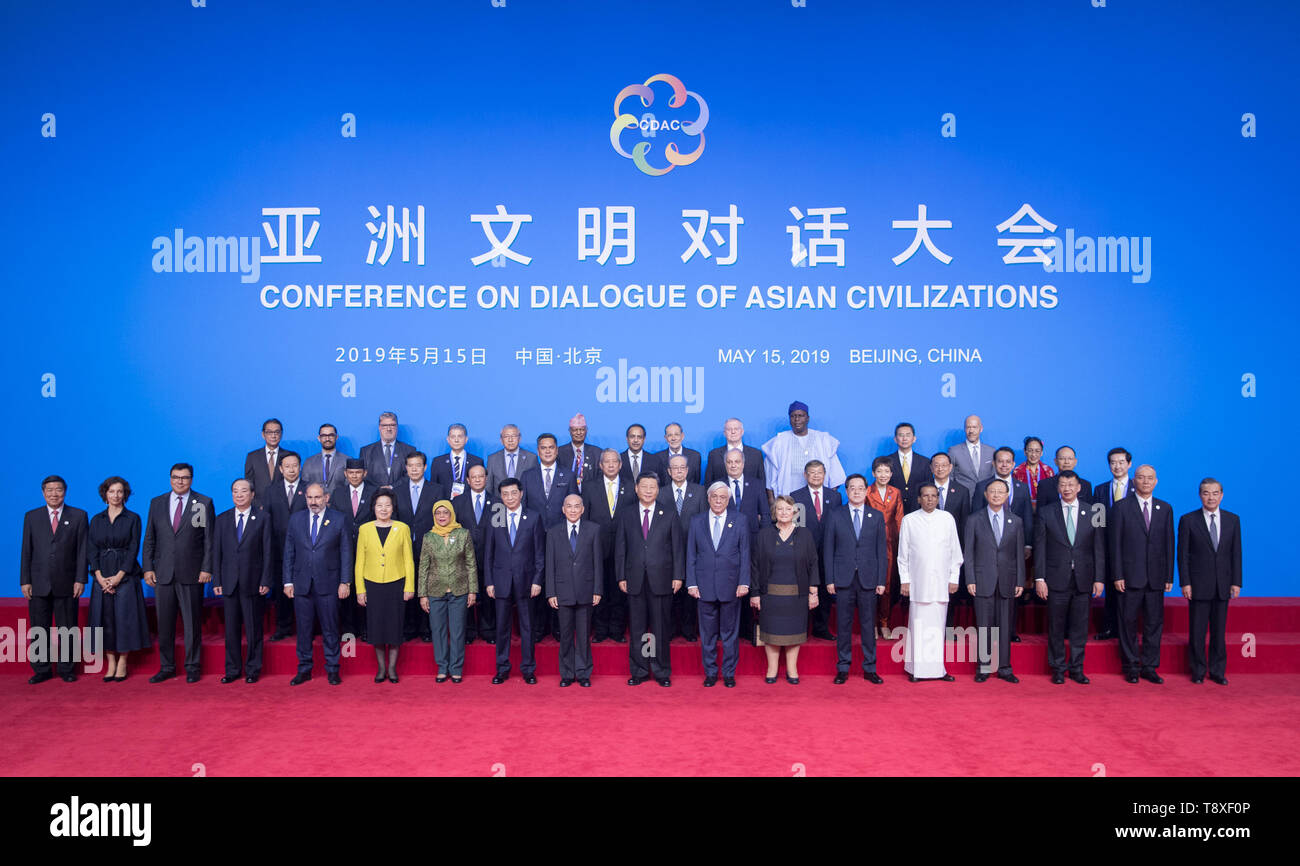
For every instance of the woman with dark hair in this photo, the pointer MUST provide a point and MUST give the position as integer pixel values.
(116, 593)
(385, 578)
(1033, 470)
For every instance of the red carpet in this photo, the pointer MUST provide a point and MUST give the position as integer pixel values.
(419, 728)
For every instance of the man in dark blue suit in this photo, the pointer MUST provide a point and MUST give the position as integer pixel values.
(1047, 488)
(636, 459)
(1141, 535)
(717, 576)
(573, 585)
(241, 576)
(749, 501)
(856, 550)
(318, 562)
(283, 499)
(650, 564)
(450, 469)
(674, 435)
(414, 497)
(1108, 493)
(1071, 568)
(385, 459)
(813, 504)
(351, 500)
(1018, 503)
(1209, 569)
(910, 469)
(545, 486)
(514, 563)
(603, 497)
(52, 572)
(474, 512)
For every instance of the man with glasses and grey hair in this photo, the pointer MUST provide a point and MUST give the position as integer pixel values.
(385, 460)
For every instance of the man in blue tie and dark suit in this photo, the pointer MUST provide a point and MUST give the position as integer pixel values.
(385, 460)
(717, 576)
(1070, 568)
(282, 500)
(1209, 570)
(241, 576)
(450, 469)
(686, 499)
(573, 585)
(909, 469)
(1108, 493)
(995, 576)
(813, 504)
(1140, 530)
(514, 570)
(545, 486)
(856, 549)
(414, 498)
(318, 563)
(474, 512)
(650, 563)
(52, 572)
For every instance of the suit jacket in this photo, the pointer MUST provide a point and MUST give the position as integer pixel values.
(52, 563)
(865, 556)
(651, 563)
(278, 510)
(753, 502)
(341, 501)
(549, 509)
(313, 471)
(182, 554)
(574, 577)
(989, 565)
(243, 565)
(1064, 565)
(496, 466)
(919, 475)
(693, 470)
(1210, 572)
(478, 529)
(1105, 492)
(1049, 491)
(393, 560)
(694, 501)
(968, 475)
(716, 468)
(805, 560)
(957, 503)
(1144, 559)
(596, 509)
(440, 470)
(1020, 505)
(590, 461)
(649, 463)
(518, 568)
(378, 472)
(255, 471)
(322, 566)
(418, 516)
(717, 573)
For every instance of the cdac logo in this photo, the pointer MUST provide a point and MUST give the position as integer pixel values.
(649, 125)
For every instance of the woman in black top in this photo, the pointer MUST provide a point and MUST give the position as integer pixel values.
(117, 594)
(785, 587)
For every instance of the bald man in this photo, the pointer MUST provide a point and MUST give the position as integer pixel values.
(972, 460)
(1141, 535)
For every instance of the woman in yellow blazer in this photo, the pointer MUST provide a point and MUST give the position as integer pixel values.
(385, 577)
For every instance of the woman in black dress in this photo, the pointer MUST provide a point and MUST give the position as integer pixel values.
(117, 594)
(785, 587)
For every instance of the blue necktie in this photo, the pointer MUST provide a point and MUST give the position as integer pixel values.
(239, 529)
(857, 522)
(512, 530)
(573, 538)
(478, 507)
(315, 518)
(997, 526)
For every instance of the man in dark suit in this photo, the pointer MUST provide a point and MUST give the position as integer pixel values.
(686, 500)
(1108, 493)
(573, 585)
(747, 494)
(262, 465)
(1047, 488)
(1209, 570)
(995, 575)
(385, 459)
(545, 486)
(474, 512)
(325, 468)
(578, 456)
(717, 577)
(352, 500)
(674, 435)
(856, 549)
(649, 561)
(282, 500)
(910, 470)
(414, 498)
(954, 499)
(715, 469)
(1141, 535)
(972, 460)
(177, 560)
(603, 498)
(241, 576)
(813, 503)
(1069, 573)
(450, 469)
(514, 566)
(53, 574)
(636, 459)
(511, 461)
(1018, 503)
(318, 563)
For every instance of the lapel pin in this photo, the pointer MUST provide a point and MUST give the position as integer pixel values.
(327, 523)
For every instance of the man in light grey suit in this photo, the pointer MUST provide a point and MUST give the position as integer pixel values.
(325, 468)
(511, 461)
(972, 460)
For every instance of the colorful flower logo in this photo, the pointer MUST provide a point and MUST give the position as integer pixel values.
(624, 121)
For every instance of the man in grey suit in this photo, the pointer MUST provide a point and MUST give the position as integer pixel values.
(325, 468)
(53, 573)
(385, 459)
(511, 461)
(972, 460)
(995, 576)
(574, 577)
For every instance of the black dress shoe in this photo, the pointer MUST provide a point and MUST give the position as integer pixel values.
(500, 678)
(636, 681)
(620, 638)
(191, 676)
(300, 678)
(280, 635)
(1058, 678)
(252, 678)
(1152, 677)
(1198, 680)
(161, 676)
(469, 639)
(1015, 638)
(556, 635)
(68, 678)
(872, 677)
(692, 637)
(392, 676)
(40, 678)
(455, 681)
(440, 678)
(981, 677)
(710, 682)
(1108, 634)
(586, 684)
(1130, 677)
(598, 638)
(108, 679)
(1011, 678)
(333, 678)
(769, 680)
(823, 634)
(1080, 678)
(229, 678)
(794, 681)
(729, 682)
(948, 678)
(911, 678)
(841, 678)
(489, 640)
(665, 682)
(564, 684)
(1223, 681)
(531, 679)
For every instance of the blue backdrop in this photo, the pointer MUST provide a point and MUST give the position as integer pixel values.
(1167, 127)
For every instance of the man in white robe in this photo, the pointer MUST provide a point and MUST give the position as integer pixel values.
(929, 569)
(787, 453)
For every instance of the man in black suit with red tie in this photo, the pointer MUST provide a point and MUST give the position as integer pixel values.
(414, 498)
(813, 503)
(1070, 568)
(1141, 535)
(262, 465)
(53, 573)
(910, 469)
(573, 585)
(282, 500)
(514, 570)
(177, 560)
(650, 564)
(1209, 570)
(474, 512)
(603, 499)
(715, 469)
(995, 575)
(241, 576)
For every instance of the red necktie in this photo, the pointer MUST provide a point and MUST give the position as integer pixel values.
(645, 523)
(54, 522)
(176, 518)
(817, 504)
(356, 502)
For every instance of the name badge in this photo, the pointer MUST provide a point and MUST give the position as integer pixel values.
(457, 489)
